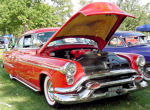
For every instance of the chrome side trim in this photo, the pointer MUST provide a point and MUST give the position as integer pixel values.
(84, 78)
(8, 64)
(44, 66)
(36, 90)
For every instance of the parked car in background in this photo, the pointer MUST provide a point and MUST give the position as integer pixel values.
(131, 42)
(69, 70)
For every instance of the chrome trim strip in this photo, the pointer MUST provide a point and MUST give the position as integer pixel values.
(44, 66)
(117, 82)
(8, 64)
(111, 73)
(84, 78)
(36, 90)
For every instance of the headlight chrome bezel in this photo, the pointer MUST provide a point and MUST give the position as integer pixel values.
(69, 70)
(140, 61)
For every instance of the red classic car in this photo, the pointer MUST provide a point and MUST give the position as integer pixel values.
(70, 70)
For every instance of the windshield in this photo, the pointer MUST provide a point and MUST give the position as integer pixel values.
(73, 41)
(43, 37)
(133, 41)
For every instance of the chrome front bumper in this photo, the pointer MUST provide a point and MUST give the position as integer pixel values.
(87, 94)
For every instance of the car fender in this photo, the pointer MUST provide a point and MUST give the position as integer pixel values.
(131, 58)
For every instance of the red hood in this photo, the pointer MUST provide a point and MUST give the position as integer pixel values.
(97, 21)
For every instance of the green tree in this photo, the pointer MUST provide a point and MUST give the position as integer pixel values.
(141, 12)
(85, 2)
(18, 16)
(63, 9)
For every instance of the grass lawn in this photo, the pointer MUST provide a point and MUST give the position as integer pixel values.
(16, 96)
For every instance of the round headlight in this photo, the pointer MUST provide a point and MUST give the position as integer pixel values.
(140, 61)
(70, 69)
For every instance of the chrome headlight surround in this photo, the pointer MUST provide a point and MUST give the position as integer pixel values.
(140, 61)
(69, 70)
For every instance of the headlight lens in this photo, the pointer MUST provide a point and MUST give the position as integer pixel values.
(69, 70)
(140, 60)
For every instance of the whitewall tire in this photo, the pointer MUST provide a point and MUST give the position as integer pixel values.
(48, 92)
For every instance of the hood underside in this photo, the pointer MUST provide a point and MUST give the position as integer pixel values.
(98, 20)
(96, 25)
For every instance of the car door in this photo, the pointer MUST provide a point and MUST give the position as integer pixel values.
(8, 61)
(25, 51)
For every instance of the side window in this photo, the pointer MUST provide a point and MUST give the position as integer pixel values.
(131, 41)
(115, 42)
(28, 41)
(20, 43)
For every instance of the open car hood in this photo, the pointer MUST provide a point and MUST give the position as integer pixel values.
(97, 21)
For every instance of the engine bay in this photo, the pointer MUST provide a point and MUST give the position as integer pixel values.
(71, 54)
(97, 60)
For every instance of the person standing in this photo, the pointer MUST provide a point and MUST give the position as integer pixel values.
(12, 42)
(6, 42)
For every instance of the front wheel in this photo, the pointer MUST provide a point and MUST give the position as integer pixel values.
(48, 91)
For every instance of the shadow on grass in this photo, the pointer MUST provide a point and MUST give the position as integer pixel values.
(103, 104)
(21, 97)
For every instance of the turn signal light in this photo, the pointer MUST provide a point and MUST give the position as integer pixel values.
(93, 85)
(138, 79)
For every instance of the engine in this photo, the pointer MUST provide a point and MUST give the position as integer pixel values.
(94, 61)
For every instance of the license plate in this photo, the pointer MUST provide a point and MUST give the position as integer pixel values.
(114, 91)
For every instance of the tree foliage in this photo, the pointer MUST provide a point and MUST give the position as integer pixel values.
(63, 9)
(134, 7)
(85, 2)
(18, 16)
